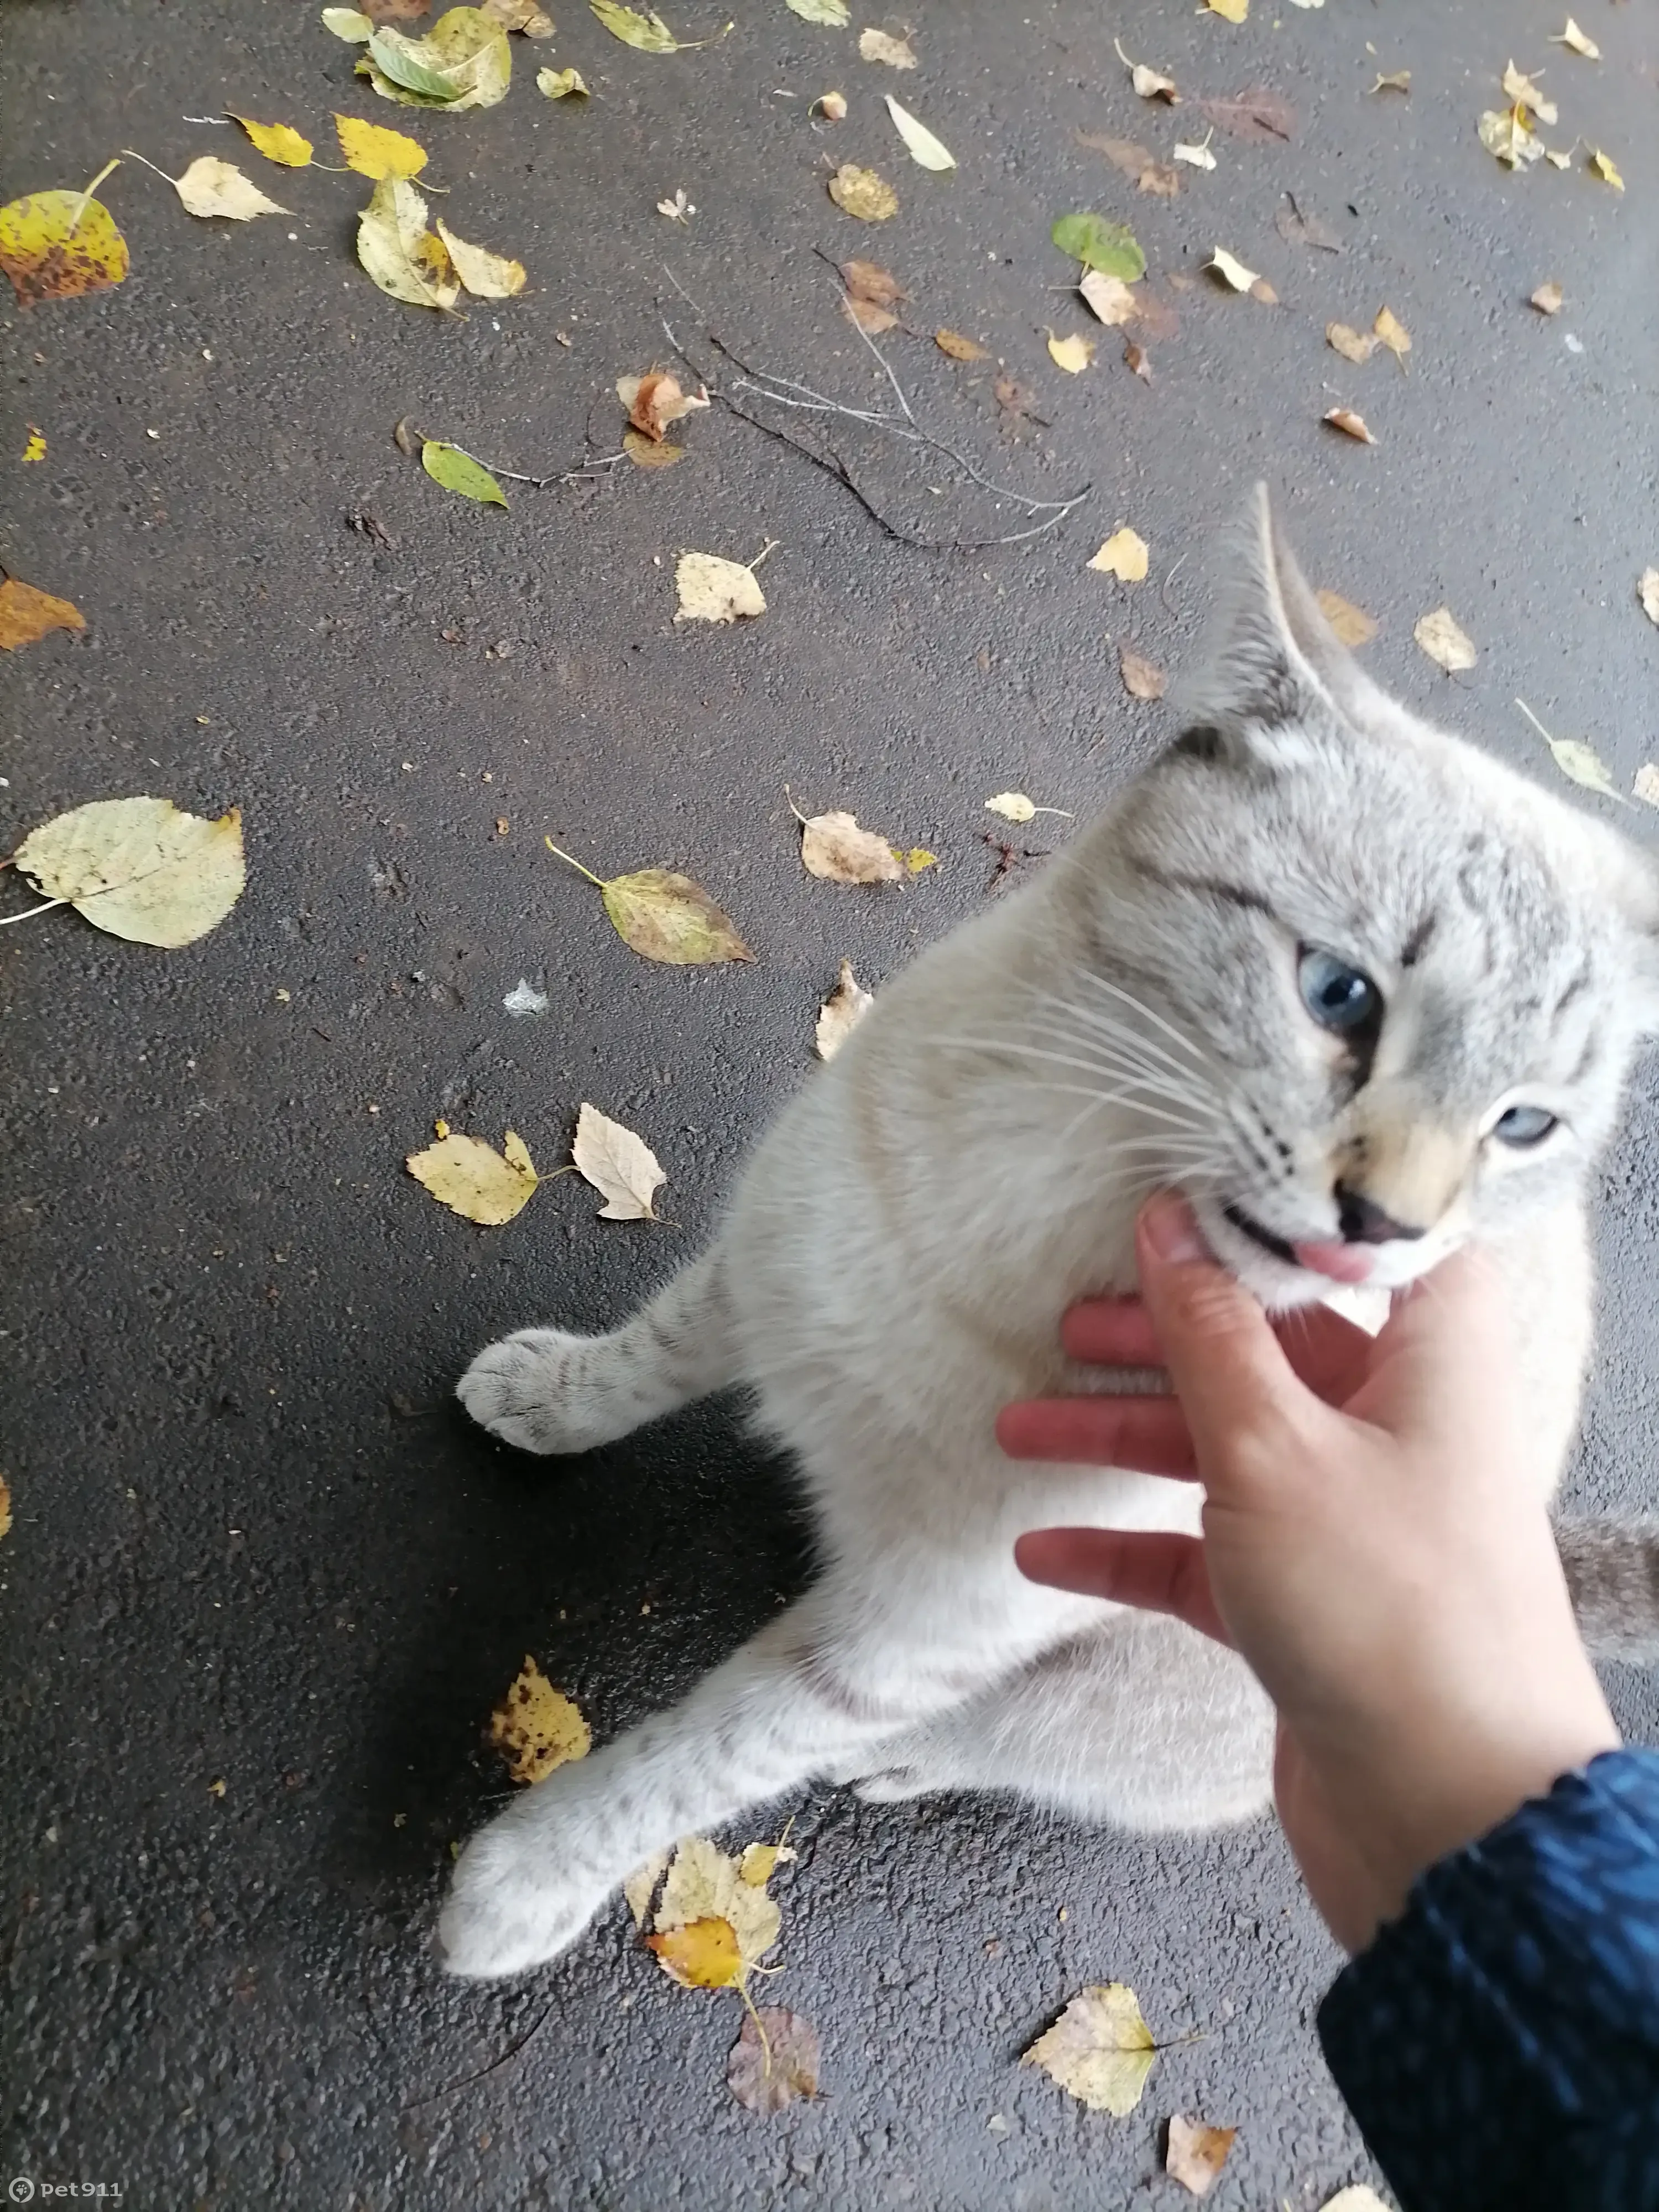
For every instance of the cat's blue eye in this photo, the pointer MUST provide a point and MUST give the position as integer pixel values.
(1338, 996)
(1523, 1125)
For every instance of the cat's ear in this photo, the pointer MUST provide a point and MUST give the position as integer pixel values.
(1273, 672)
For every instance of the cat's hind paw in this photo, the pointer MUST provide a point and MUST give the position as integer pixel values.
(530, 1389)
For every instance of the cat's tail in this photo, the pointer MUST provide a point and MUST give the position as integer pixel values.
(547, 1390)
(1612, 1567)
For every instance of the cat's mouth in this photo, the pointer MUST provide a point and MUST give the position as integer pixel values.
(1280, 1247)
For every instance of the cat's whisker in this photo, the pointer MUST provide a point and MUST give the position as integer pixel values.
(1113, 1024)
(1132, 1096)
(1093, 977)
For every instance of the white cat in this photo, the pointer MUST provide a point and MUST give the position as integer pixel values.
(1356, 990)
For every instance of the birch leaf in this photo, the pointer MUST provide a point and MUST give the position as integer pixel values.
(647, 31)
(712, 589)
(347, 24)
(140, 868)
(1142, 679)
(700, 1955)
(212, 187)
(830, 12)
(703, 1883)
(621, 1167)
(649, 452)
(1109, 247)
(959, 348)
(26, 616)
(1196, 2153)
(1124, 556)
(374, 151)
(457, 471)
(1227, 266)
(1235, 11)
(1523, 92)
(463, 62)
(1506, 132)
(399, 253)
(882, 46)
(1353, 625)
(1012, 806)
(1257, 113)
(1148, 84)
(275, 141)
(1647, 590)
(773, 2061)
(474, 1180)
(1392, 332)
(485, 275)
(1646, 783)
(1576, 41)
(1100, 2049)
(560, 84)
(536, 1727)
(1072, 353)
(835, 848)
(1350, 425)
(1439, 636)
(1109, 298)
(1547, 298)
(641, 1886)
(840, 1014)
(1196, 157)
(925, 149)
(1351, 344)
(663, 916)
(1605, 168)
(1575, 759)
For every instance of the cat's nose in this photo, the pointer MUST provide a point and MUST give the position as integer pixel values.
(1363, 1221)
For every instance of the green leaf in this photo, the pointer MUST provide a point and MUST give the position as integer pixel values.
(399, 58)
(463, 62)
(648, 33)
(667, 917)
(457, 471)
(832, 12)
(1109, 247)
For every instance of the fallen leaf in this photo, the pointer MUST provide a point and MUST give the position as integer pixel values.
(1107, 246)
(1350, 425)
(1262, 290)
(348, 23)
(924, 147)
(1547, 298)
(405, 437)
(1351, 344)
(140, 868)
(1439, 636)
(455, 471)
(374, 151)
(1149, 83)
(665, 916)
(525, 15)
(647, 32)
(275, 141)
(700, 1955)
(712, 589)
(832, 12)
(863, 192)
(1646, 783)
(1123, 555)
(1236, 275)
(917, 858)
(871, 295)
(1576, 759)
(621, 1167)
(463, 62)
(678, 208)
(1396, 81)
(647, 454)
(1604, 167)
(959, 348)
(34, 449)
(703, 1884)
(1142, 679)
(212, 187)
(773, 2061)
(485, 275)
(1647, 590)
(838, 1017)
(536, 1727)
(833, 846)
(1571, 37)
(881, 46)
(1137, 362)
(27, 615)
(832, 105)
(1256, 113)
(1109, 298)
(1013, 402)
(524, 1000)
(474, 1180)
(1196, 2153)
(1523, 92)
(1360, 2198)
(1196, 157)
(640, 1886)
(399, 253)
(1150, 175)
(5, 1507)
(1506, 132)
(560, 84)
(1353, 625)
(1100, 2049)
(1392, 332)
(1234, 11)
(1012, 806)
(1072, 353)
(1300, 229)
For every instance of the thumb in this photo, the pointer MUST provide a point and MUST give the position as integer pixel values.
(1240, 1395)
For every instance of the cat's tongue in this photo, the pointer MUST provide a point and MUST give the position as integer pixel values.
(1343, 1263)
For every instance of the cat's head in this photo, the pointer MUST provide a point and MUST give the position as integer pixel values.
(1368, 993)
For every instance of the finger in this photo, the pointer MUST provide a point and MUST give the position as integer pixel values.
(1116, 1330)
(1147, 1434)
(1445, 1364)
(1149, 1569)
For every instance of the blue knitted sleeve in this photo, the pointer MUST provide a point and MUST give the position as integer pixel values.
(1498, 2044)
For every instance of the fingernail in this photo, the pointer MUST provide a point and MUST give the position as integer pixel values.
(1170, 1228)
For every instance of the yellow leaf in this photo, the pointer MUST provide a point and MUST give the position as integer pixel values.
(56, 245)
(1234, 271)
(759, 1862)
(1350, 425)
(1576, 759)
(559, 84)
(1392, 333)
(1508, 133)
(835, 848)
(1100, 2049)
(863, 193)
(959, 348)
(1073, 354)
(1351, 624)
(919, 858)
(1124, 556)
(1012, 806)
(703, 1883)
(27, 615)
(1196, 2153)
(702, 1955)
(1234, 10)
(1576, 40)
(881, 46)
(1605, 169)
(647, 31)
(34, 449)
(140, 868)
(536, 1727)
(1547, 298)
(398, 250)
(277, 142)
(713, 589)
(663, 916)
(838, 1017)
(925, 149)
(374, 151)
(640, 1886)
(650, 452)
(1525, 93)
(476, 1181)
(1351, 344)
(621, 1167)
(211, 187)
(486, 276)
(464, 61)
(1445, 644)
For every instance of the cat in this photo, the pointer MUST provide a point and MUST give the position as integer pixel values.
(1358, 991)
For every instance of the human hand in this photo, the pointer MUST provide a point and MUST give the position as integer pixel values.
(1375, 1546)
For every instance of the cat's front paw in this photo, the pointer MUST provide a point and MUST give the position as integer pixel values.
(511, 1905)
(526, 1390)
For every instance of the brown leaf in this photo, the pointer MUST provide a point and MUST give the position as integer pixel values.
(1157, 319)
(1016, 403)
(1150, 175)
(1138, 360)
(1142, 679)
(1300, 229)
(1256, 113)
(1351, 344)
(1351, 624)
(27, 615)
(645, 454)
(392, 11)
(656, 400)
(1196, 2153)
(58, 245)
(833, 847)
(765, 2076)
(1262, 290)
(1547, 298)
(871, 295)
(1351, 425)
(406, 438)
(959, 348)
